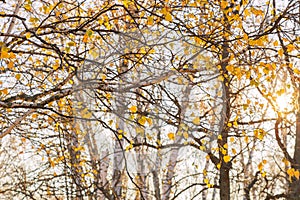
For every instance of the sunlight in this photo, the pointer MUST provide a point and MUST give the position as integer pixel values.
(283, 103)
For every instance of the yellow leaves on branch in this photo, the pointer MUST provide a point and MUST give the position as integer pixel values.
(87, 35)
(259, 133)
(4, 91)
(292, 172)
(224, 4)
(196, 121)
(142, 120)
(256, 12)
(259, 42)
(168, 17)
(237, 71)
(261, 166)
(150, 20)
(28, 35)
(208, 184)
(166, 12)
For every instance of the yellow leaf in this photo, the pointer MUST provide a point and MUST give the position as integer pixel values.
(185, 135)
(10, 65)
(12, 55)
(275, 43)
(224, 4)
(4, 54)
(18, 76)
(94, 53)
(221, 78)
(225, 146)
(55, 66)
(233, 151)
(224, 151)
(143, 50)
(264, 162)
(34, 116)
(85, 38)
(246, 13)
(280, 52)
(226, 158)
(260, 166)
(133, 109)
(291, 172)
(120, 136)
(230, 68)
(168, 17)
(5, 91)
(149, 120)
(235, 124)
(206, 181)
(142, 120)
(171, 136)
(290, 48)
(196, 121)
(71, 43)
(207, 157)
(219, 165)
(27, 7)
(28, 35)
(103, 77)
(150, 20)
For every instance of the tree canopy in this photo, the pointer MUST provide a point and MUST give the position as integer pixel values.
(130, 99)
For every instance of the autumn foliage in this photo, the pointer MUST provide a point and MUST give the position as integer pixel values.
(130, 99)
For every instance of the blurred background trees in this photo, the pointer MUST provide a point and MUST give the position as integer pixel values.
(149, 99)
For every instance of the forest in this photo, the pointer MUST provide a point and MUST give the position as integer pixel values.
(150, 99)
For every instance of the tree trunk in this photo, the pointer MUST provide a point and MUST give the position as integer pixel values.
(294, 190)
(167, 185)
(224, 180)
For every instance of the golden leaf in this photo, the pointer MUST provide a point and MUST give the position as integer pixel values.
(150, 20)
(185, 135)
(4, 54)
(280, 52)
(28, 35)
(18, 76)
(142, 120)
(171, 136)
(133, 109)
(149, 121)
(226, 158)
(196, 121)
(85, 38)
(34, 116)
(168, 17)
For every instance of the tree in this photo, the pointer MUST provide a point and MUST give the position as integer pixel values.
(188, 90)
